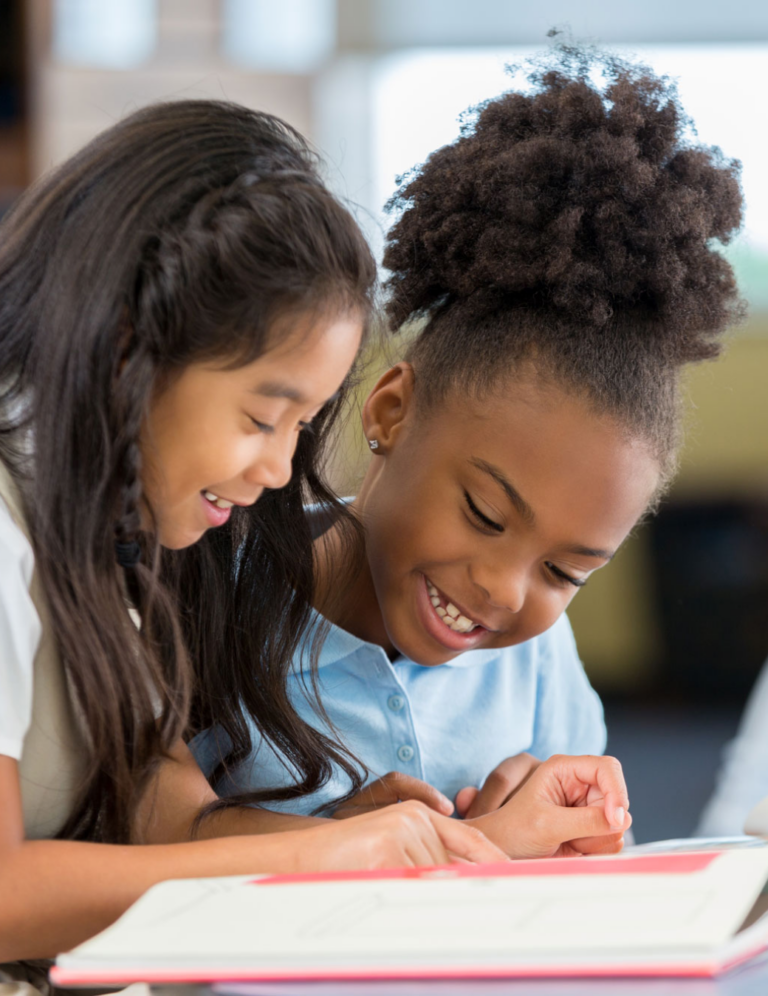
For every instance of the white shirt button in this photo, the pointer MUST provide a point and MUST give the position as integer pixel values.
(395, 702)
(405, 753)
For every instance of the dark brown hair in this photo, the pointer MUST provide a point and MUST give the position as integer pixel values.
(573, 224)
(181, 234)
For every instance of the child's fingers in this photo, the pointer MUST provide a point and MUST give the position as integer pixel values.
(396, 787)
(611, 843)
(503, 782)
(464, 799)
(573, 823)
(465, 842)
(425, 837)
(604, 773)
(610, 780)
(403, 787)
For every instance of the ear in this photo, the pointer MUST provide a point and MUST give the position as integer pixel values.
(387, 406)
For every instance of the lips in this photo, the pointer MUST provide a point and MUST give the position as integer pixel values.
(452, 617)
(459, 610)
(450, 638)
(215, 514)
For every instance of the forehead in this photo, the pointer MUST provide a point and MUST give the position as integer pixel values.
(305, 363)
(313, 342)
(580, 472)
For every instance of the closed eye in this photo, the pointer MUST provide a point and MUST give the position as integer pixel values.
(262, 426)
(478, 515)
(576, 582)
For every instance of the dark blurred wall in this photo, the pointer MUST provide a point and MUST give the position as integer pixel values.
(684, 608)
(14, 132)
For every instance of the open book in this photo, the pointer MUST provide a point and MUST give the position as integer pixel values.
(642, 914)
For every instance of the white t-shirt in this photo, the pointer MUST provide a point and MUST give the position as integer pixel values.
(19, 635)
(38, 722)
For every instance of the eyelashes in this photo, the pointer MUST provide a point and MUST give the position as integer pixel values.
(269, 429)
(487, 523)
(576, 582)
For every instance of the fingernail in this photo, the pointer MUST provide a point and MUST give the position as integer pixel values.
(447, 806)
(619, 815)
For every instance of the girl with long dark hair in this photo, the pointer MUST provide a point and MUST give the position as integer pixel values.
(180, 304)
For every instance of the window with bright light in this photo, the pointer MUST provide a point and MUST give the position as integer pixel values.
(104, 34)
(289, 36)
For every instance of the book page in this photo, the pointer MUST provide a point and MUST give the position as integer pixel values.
(443, 919)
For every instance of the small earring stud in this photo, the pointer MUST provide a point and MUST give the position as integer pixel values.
(373, 443)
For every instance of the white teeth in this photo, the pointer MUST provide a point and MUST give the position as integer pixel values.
(450, 615)
(215, 500)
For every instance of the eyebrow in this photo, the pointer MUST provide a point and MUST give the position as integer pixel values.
(588, 551)
(521, 506)
(528, 515)
(274, 389)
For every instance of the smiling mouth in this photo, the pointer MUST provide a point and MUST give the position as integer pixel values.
(215, 500)
(449, 615)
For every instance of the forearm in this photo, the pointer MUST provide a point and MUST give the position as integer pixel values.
(56, 894)
(250, 820)
(175, 808)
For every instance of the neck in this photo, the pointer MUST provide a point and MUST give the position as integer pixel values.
(344, 590)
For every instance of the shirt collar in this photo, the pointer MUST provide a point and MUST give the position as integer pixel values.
(338, 644)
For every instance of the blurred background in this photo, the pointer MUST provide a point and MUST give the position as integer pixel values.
(674, 633)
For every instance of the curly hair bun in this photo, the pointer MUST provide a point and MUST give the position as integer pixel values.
(583, 198)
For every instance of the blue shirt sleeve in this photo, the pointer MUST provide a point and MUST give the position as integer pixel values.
(569, 714)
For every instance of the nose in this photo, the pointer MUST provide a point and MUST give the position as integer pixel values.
(272, 466)
(504, 585)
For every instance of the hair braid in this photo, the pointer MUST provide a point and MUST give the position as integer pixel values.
(177, 236)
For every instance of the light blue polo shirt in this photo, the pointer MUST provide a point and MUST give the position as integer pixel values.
(449, 725)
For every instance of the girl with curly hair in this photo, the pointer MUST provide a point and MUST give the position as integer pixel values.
(558, 268)
(180, 304)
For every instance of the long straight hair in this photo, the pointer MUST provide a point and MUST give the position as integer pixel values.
(180, 235)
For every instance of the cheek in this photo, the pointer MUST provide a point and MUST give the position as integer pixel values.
(543, 608)
(412, 528)
(204, 463)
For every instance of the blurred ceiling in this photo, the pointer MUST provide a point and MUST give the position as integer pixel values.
(383, 24)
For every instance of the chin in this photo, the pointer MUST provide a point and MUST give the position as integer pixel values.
(416, 652)
(175, 539)
(432, 660)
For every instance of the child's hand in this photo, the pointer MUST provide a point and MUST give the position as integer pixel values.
(568, 806)
(394, 787)
(409, 834)
(498, 788)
